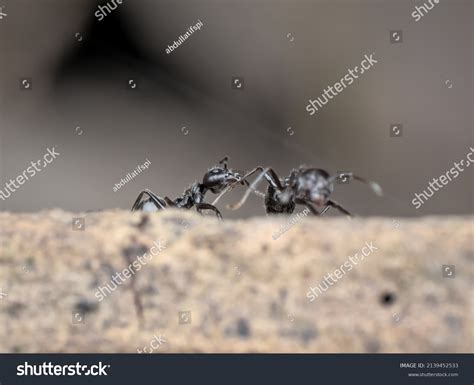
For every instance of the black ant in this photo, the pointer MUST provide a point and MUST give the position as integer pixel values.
(217, 180)
(306, 186)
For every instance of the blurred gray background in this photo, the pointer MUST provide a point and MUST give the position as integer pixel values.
(80, 69)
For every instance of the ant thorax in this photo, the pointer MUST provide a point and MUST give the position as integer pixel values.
(190, 197)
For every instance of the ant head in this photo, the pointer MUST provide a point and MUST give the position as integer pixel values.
(218, 178)
(313, 185)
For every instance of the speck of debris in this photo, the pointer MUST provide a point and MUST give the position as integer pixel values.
(469, 255)
(253, 289)
(243, 328)
(274, 309)
(144, 221)
(30, 262)
(150, 289)
(326, 246)
(174, 220)
(201, 242)
(85, 306)
(134, 251)
(308, 334)
(372, 346)
(165, 269)
(306, 273)
(224, 256)
(94, 282)
(431, 299)
(232, 233)
(15, 309)
(453, 322)
(302, 331)
(387, 298)
(108, 268)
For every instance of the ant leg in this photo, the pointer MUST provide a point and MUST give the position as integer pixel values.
(154, 198)
(259, 168)
(170, 202)
(232, 186)
(337, 206)
(312, 209)
(137, 201)
(250, 173)
(249, 190)
(271, 178)
(225, 191)
(245, 181)
(325, 210)
(207, 206)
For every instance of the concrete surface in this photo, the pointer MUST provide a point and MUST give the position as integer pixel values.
(244, 290)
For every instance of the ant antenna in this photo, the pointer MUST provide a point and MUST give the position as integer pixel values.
(224, 161)
(250, 189)
(242, 180)
(373, 185)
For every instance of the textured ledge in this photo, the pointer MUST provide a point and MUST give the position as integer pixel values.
(246, 291)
